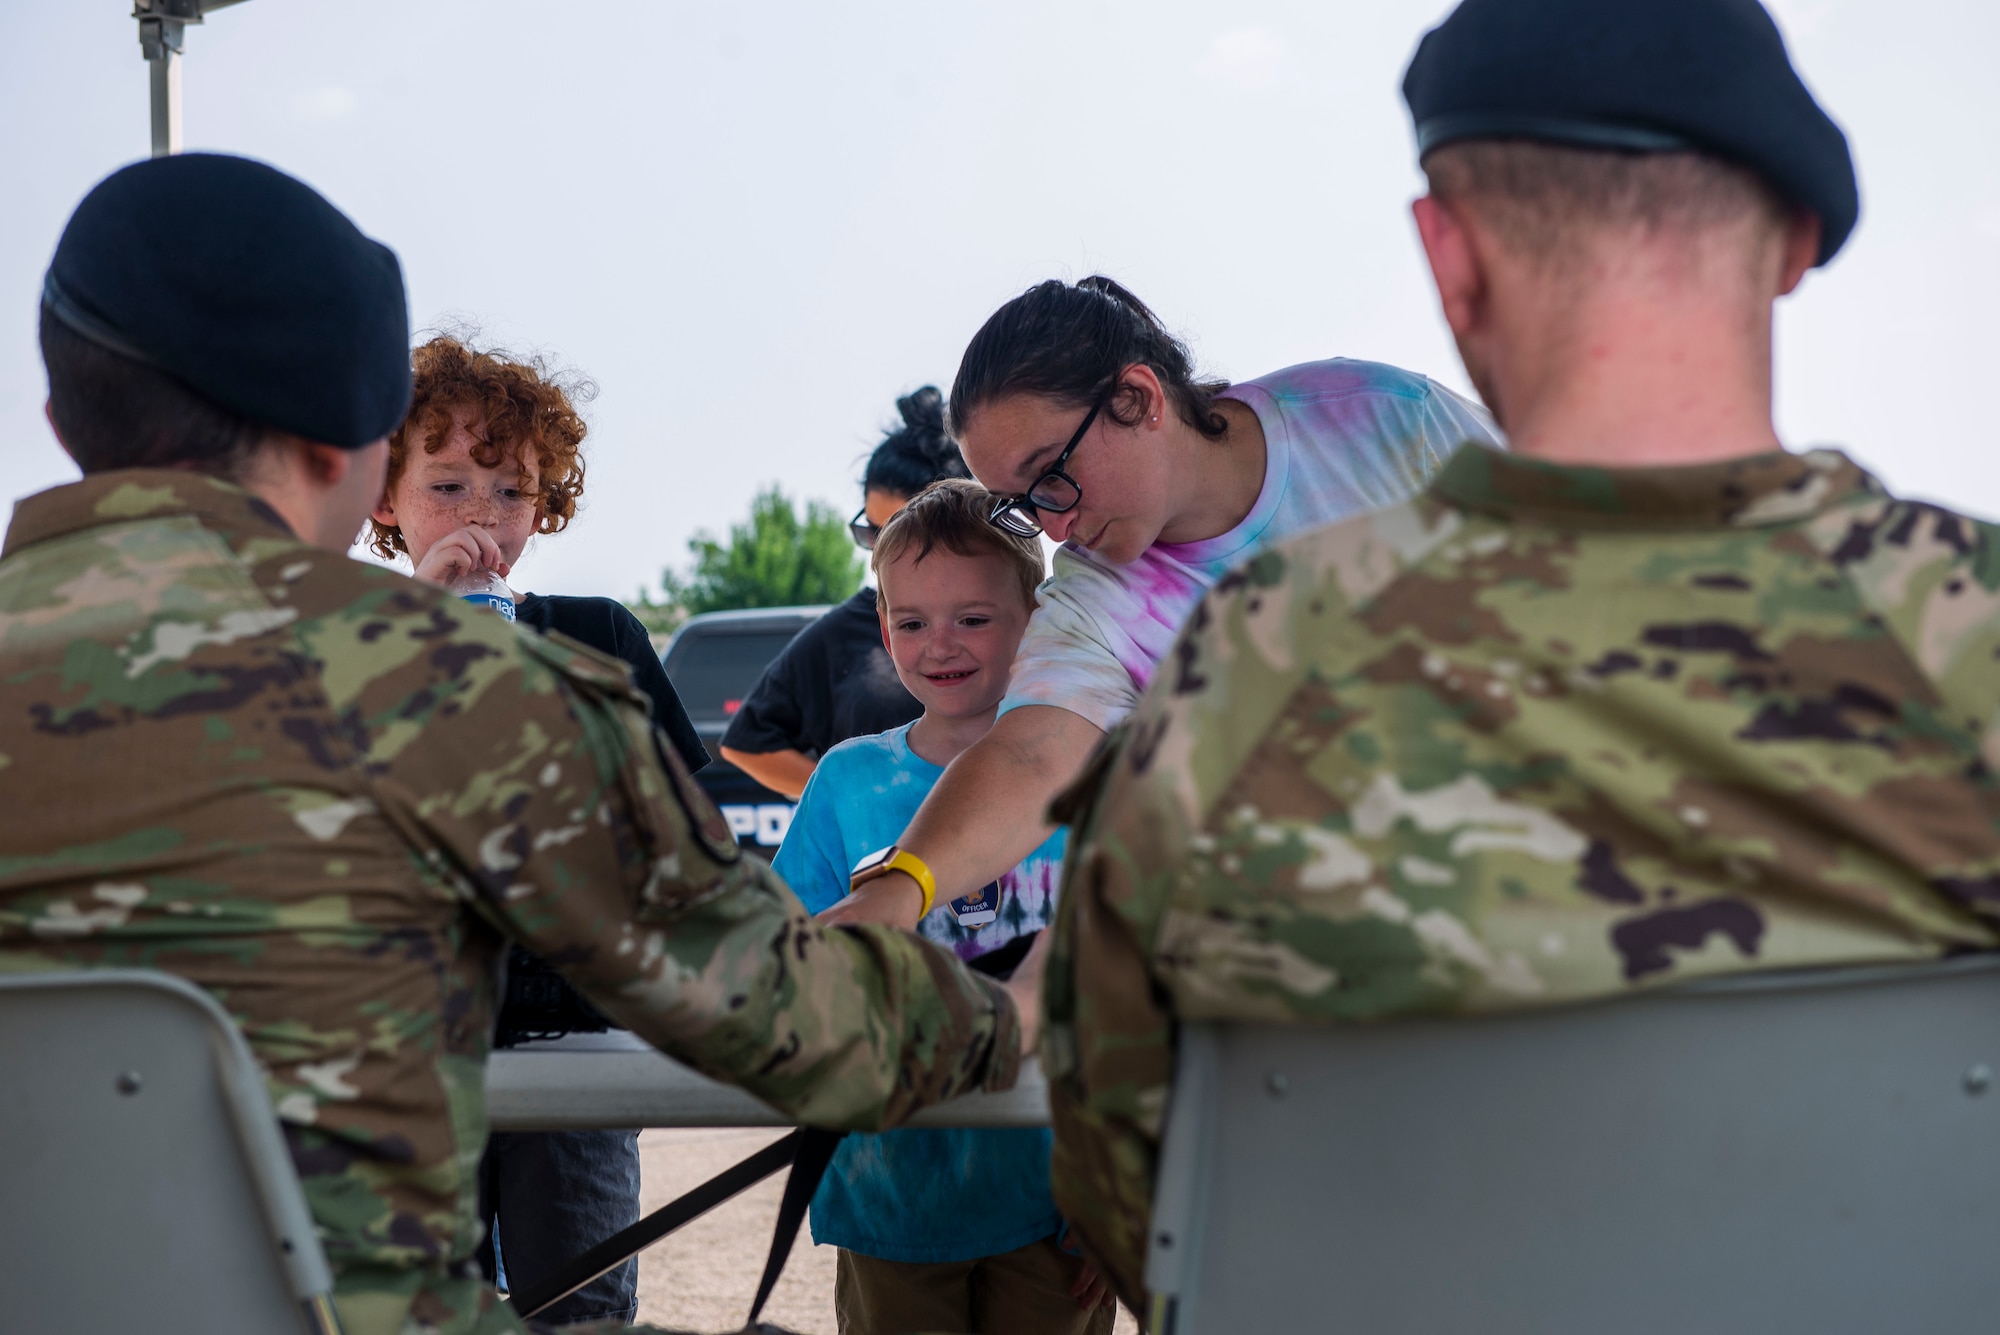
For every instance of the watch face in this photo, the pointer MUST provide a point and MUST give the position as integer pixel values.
(873, 862)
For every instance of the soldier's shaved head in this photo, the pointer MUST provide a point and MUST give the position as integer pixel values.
(1554, 203)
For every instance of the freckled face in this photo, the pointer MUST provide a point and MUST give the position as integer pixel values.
(443, 492)
(953, 624)
(1120, 470)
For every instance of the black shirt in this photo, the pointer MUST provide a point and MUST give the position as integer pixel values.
(538, 1001)
(832, 682)
(605, 624)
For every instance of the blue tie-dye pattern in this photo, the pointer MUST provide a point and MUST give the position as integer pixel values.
(919, 1195)
(1341, 438)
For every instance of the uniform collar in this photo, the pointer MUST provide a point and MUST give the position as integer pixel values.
(127, 494)
(1774, 488)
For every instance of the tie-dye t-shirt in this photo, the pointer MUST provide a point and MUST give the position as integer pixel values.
(919, 1195)
(1341, 438)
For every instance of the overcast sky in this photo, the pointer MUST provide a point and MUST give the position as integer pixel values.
(756, 224)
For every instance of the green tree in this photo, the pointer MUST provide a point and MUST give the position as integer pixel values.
(778, 559)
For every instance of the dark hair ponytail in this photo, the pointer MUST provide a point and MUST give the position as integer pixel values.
(916, 454)
(1065, 341)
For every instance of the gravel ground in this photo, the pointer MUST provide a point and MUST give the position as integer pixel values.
(703, 1277)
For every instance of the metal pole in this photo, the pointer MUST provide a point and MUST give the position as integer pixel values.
(166, 75)
(161, 25)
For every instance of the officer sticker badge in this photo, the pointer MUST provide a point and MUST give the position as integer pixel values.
(978, 908)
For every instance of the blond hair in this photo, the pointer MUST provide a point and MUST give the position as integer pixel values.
(952, 514)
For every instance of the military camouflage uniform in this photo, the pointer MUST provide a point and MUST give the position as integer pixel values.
(1544, 733)
(328, 794)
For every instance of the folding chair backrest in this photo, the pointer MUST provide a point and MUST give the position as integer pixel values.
(1772, 1154)
(144, 1185)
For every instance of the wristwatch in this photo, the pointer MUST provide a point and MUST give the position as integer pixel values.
(891, 859)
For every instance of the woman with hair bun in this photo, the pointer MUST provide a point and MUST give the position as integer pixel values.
(1077, 407)
(834, 680)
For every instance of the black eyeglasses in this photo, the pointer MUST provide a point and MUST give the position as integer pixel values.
(1054, 492)
(863, 530)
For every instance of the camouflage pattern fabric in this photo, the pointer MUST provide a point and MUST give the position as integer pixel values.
(330, 794)
(1542, 734)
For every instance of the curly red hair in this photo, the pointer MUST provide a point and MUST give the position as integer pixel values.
(529, 412)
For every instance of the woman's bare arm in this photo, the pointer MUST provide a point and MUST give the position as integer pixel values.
(986, 813)
(781, 771)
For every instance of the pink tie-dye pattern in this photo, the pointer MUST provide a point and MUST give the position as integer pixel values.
(1164, 591)
(1343, 437)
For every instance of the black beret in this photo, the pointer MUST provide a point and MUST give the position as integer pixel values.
(1636, 75)
(247, 286)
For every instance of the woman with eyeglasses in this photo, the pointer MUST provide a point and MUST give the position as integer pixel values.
(1085, 417)
(835, 680)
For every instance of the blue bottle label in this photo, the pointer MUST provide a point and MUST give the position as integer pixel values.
(504, 606)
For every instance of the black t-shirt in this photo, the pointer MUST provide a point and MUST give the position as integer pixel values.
(605, 624)
(538, 1001)
(832, 682)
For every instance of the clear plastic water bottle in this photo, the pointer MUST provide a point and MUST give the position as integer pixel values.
(483, 588)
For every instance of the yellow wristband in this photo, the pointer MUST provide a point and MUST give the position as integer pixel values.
(919, 871)
(896, 859)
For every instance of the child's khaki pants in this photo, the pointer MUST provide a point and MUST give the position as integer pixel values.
(1022, 1292)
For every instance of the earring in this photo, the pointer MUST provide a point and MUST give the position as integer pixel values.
(1156, 417)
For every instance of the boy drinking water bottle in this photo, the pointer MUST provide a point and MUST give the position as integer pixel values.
(949, 1230)
(490, 456)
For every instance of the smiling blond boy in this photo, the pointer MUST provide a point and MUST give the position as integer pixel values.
(941, 1230)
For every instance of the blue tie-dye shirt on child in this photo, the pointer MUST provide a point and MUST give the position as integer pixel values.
(919, 1195)
(1341, 438)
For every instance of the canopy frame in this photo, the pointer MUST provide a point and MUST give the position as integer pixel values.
(162, 32)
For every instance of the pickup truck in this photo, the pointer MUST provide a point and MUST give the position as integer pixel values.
(713, 660)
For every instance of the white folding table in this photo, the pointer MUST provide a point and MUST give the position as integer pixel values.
(615, 1080)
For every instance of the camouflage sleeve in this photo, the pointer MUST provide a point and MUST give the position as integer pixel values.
(1933, 578)
(547, 802)
(1107, 1050)
(1139, 811)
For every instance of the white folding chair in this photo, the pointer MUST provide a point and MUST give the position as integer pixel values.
(144, 1185)
(1811, 1152)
